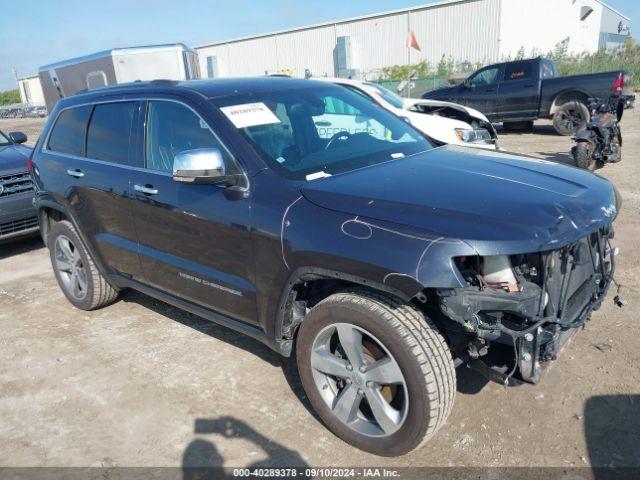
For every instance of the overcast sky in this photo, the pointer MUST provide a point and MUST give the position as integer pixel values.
(34, 33)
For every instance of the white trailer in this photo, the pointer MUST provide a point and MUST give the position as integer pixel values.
(119, 65)
(31, 91)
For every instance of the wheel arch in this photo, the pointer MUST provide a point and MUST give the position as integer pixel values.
(565, 96)
(50, 213)
(309, 285)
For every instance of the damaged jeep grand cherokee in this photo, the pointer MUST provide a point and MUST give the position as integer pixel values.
(381, 261)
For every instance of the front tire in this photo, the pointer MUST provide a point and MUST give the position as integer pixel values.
(376, 371)
(77, 275)
(582, 156)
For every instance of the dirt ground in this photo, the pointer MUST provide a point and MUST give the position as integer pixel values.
(142, 384)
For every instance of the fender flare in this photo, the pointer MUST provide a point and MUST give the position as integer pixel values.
(584, 136)
(555, 105)
(315, 273)
(41, 202)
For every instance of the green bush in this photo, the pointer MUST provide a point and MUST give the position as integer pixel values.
(403, 72)
(9, 97)
(627, 58)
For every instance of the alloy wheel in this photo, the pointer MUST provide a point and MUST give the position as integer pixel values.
(70, 267)
(359, 380)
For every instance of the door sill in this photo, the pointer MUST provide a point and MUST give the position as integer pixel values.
(283, 347)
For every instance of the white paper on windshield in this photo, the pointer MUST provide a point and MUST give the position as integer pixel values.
(250, 115)
(317, 175)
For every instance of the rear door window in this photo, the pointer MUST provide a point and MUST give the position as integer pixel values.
(67, 135)
(109, 134)
(518, 71)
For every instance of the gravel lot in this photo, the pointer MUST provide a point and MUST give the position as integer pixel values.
(142, 384)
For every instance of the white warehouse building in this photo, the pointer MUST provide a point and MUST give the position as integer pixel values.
(466, 30)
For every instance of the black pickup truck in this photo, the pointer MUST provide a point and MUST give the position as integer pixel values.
(519, 92)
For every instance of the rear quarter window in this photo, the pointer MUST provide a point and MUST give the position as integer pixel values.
(67, 135)
(518, 71)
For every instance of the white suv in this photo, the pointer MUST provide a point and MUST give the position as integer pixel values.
(444, 122)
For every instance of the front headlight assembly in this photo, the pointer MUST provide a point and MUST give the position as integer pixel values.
(476, 135)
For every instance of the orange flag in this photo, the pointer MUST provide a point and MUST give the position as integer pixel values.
(412, 42)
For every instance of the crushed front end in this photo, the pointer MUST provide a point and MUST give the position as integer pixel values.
(519, 311)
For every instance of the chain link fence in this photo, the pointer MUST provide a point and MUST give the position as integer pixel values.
(416, 87)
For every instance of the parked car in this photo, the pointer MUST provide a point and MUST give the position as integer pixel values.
(17, 215)
(443, 122)
(382, 260)
(519, 92)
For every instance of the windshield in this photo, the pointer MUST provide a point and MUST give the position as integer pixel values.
(387, 95)
(319, 131)
(4, 140)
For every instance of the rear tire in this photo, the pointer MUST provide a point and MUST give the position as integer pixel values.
(418, 396)
(571, 117)
(582, 156)
(76, 273)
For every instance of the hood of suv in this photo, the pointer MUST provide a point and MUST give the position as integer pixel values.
(13, 159)
(439, 92)
(497, 202)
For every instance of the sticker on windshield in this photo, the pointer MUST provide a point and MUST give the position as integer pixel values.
(317, 175)
(250, 115)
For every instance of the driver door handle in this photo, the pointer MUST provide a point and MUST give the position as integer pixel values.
(147, 190)
(75, 173)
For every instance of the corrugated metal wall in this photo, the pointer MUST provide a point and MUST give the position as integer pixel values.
(468, 30)
(560, 19)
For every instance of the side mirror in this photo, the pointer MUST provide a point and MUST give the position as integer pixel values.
(18, 137)
(202, 165)
(468, 84)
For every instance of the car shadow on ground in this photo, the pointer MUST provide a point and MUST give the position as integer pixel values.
(612, 433)
(202, 325)
(224, 334)
(535, 130)
(557, 157)
(18, 247)
(469, 381)
(202, 459)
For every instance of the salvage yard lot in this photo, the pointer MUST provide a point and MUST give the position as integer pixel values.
(141, 383)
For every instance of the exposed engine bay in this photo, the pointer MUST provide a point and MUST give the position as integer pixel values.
(455, 114)
(532, 304)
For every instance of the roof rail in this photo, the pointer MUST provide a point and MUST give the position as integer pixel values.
(135, 83)
(164, 81)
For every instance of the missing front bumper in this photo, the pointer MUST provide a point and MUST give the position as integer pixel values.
(537, 322)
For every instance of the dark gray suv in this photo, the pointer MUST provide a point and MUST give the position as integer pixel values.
(17, 215)
(380, 260)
